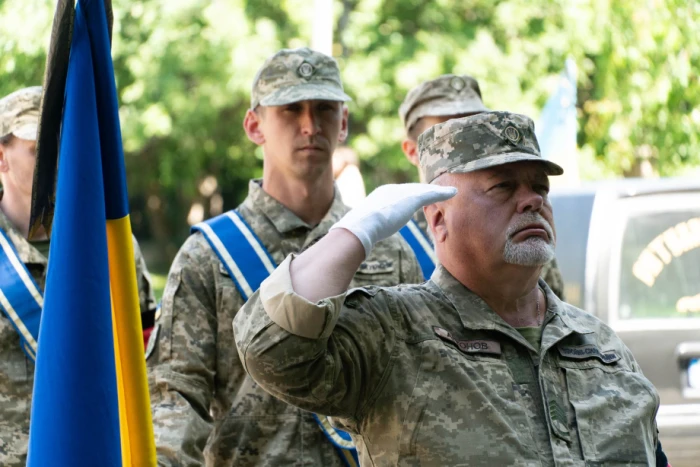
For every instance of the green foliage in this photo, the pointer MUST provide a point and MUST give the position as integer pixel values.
(184, 69)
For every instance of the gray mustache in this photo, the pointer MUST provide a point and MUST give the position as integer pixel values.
(530, 218)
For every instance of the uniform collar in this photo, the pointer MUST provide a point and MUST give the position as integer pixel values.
(476, 314)
(285, 220)
(26, 252)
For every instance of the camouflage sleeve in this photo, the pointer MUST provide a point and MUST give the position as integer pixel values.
(552, 276)
(147, 299)
(314, 356)
(181, 358)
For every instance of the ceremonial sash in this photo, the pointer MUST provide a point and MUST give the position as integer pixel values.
(20, 298)
(421, 246)
(248, 263)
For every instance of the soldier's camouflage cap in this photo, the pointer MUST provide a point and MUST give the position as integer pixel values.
(443, 96)
(293, 75)
(478, 142)
(19, 113)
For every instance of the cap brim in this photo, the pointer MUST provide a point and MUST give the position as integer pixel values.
(304, 92)
(446, 108)
(27, 131)
(507, 158)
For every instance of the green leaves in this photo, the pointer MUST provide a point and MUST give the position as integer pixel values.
(184, 70)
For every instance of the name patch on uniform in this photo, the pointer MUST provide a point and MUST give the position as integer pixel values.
(469, 346)
(582, 352)
(377, 267)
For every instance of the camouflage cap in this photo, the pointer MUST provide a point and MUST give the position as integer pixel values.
(443, 96)
(19, 113)
(478, 142)
(293, 75)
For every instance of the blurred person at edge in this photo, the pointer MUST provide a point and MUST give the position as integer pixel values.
(19, 119)
(437, 101)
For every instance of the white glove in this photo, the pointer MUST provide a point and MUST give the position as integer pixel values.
(388, 208)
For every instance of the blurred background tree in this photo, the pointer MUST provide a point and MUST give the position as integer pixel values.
(184, 70)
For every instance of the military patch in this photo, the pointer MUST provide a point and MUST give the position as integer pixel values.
(512, 134)
(305, 70)
(377, 267)
(469, 346)
(583, 352)
(457, 83)
(152, 341)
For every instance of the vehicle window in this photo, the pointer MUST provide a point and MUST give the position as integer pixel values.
(660, 266)
(572, 215)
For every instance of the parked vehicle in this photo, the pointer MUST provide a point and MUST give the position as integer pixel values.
(629, 251)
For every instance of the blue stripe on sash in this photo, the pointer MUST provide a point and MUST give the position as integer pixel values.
(341, 440)
(20, 297)
(422, 247)
(248, 263)
(239, 249)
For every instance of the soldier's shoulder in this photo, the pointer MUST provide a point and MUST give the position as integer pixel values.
(408, 293)
(196, 249)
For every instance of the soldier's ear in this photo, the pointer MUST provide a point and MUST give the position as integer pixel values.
(435, 215)
(343, 135)
(253, 128)
(410, 149)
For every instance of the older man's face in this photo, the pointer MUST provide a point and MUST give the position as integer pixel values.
(501, 214)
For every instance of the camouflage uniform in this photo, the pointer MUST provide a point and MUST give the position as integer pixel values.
(429, 375)
(457, 95)
(205, 408)
(18, 115)
(202, 399)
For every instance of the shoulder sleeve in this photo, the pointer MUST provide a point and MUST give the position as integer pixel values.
(326, 357)
(182, 365)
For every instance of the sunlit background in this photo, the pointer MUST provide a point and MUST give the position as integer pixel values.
(184, 69)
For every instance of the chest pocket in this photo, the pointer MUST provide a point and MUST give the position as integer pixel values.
(460, 397)
(614, 408)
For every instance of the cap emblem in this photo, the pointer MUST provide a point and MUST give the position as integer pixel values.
(458, 83)
(512, 134)
(305, 70)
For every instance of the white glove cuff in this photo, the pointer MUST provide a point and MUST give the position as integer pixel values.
(361, 235)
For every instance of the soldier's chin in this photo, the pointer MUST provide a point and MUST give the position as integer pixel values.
(535, 251)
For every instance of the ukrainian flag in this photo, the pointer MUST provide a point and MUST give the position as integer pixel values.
(90, 404)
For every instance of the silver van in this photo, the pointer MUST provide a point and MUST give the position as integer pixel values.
(629, 251)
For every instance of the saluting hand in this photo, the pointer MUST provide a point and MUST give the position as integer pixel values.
(388, 208)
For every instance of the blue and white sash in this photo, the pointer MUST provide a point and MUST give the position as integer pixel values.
(20, 298)
(421, 246)
(248, 263)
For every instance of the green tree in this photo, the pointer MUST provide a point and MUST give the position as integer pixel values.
(184, 70)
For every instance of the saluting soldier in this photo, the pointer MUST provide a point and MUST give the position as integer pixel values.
(205, 408)
(437, 101)
(482, 365)
(23, 266)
